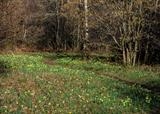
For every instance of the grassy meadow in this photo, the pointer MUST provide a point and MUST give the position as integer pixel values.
(45, 83)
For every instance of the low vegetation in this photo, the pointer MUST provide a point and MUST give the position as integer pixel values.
(49, 83)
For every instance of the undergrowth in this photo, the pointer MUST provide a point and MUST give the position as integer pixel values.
(44, 83)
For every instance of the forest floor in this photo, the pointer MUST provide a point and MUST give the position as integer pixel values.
(45, 83)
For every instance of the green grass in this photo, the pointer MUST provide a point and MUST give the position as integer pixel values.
(49, 83)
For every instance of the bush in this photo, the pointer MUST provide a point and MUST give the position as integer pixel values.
(4, 67)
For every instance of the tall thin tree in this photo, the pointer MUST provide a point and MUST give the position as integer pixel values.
(86, 24)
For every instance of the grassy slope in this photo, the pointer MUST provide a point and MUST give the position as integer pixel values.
(47, 83)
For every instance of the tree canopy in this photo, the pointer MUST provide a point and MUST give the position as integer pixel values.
(129, 30)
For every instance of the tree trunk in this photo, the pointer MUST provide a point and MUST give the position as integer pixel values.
(135, 53)
(58, 25)
(86, 24)
(124, 54)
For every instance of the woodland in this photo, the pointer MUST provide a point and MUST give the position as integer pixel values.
(80, 56)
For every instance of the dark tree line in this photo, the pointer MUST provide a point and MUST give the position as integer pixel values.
(127, 29)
